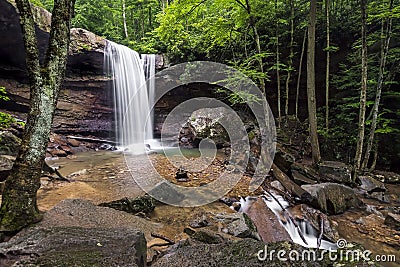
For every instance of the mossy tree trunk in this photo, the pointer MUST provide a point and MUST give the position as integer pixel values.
(312, 106)
(19, 207)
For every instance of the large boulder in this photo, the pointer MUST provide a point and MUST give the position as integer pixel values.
(75, 246)
(370, 184)
(332, 198)
(334, 171)
(79, 233)
(268, 226)
(208, 123)
(9, 143)
(247, 252)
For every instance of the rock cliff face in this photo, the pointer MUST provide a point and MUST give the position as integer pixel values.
(84, 105)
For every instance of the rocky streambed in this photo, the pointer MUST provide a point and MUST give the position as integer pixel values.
(162, 235)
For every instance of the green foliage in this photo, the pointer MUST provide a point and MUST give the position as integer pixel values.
(6, 120)
(3, 94)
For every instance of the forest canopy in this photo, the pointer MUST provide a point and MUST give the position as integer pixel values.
(266, 40)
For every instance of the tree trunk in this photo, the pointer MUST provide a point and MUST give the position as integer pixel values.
(278, 77)
(124, 20)
(260, 61)
(328, 59)
(252, 23)
(312, 107)
(290, 63)
(299, 75)
(384, 53)
(363, 93)
(19, 207)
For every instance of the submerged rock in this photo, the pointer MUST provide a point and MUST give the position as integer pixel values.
(144, 204)
(332, 198)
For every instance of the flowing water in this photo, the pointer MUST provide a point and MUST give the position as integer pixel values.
(133, 87)
(308, 231)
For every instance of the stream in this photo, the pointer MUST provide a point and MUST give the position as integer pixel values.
(103, 176)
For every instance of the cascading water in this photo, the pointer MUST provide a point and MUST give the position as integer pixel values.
(307, 230)
(133, 95)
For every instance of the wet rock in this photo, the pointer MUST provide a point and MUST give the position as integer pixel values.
(238, 224)
(267, 224)
(145, 204)
(306, 213)
(73, 142)
(334, 171)
(393, 220)
(57, 152)
(332, 198)
(9, 143)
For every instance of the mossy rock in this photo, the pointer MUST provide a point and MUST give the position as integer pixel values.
(145, 204)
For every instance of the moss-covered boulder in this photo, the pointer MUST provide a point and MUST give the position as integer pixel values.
(75, 246)
(252, 253)
(9, 143)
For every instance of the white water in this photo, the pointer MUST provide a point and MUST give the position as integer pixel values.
(133, 95)
(308, 231)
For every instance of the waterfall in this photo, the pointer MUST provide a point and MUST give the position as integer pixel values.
(133, 95)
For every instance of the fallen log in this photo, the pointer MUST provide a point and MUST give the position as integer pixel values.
(47, 168)
(293, 188)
